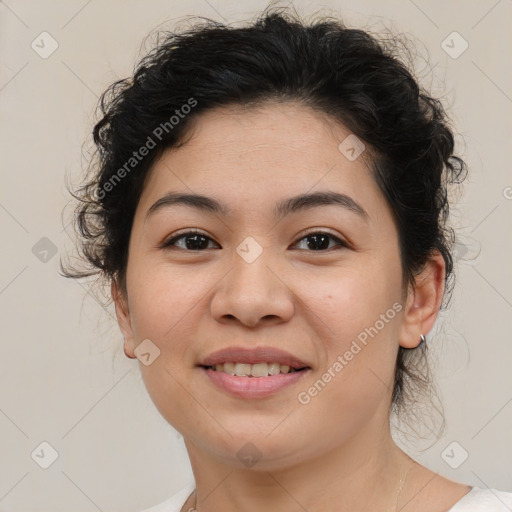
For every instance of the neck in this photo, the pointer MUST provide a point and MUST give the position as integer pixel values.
(363, 474)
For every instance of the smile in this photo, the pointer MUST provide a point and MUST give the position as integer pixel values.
(250, 386)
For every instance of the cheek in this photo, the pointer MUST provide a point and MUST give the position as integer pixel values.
(164, 307)
(350, 300)
(360, 318)
(356, 374)
(162, 298)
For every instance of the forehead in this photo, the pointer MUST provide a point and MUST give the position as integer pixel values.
(268, 131)
(251, 157)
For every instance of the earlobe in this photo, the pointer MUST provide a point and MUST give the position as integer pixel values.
(123, 319)
(423, 302)
(127, 353)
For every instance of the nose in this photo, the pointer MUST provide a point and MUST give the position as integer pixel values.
(252, 294)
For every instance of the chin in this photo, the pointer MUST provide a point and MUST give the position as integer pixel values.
(254, 449)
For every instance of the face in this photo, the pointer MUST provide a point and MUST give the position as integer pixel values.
(316, 286)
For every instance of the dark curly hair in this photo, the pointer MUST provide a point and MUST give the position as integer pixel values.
(344, 73)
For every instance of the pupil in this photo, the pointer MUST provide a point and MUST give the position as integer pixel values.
(317, 245)
(195, 246)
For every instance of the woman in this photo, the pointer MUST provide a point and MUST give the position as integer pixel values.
(269, 206)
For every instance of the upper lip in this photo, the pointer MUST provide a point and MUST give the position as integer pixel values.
(253, 356)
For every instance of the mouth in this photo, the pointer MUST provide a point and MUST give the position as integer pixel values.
(253, 373)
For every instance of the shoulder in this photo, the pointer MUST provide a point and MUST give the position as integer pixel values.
(484, 500)
(175, 502)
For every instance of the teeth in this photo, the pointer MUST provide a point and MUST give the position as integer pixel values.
(242, 370)
(274, 368)
(228, 368)
(259, 370)
(253, 370)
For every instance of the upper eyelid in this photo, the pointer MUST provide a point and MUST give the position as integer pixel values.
(177, 236)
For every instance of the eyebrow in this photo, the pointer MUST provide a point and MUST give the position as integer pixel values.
(286, 207)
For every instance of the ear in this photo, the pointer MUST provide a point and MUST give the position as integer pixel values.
(123, 318)
(423, 302)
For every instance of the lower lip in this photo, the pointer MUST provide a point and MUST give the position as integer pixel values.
(253, 387)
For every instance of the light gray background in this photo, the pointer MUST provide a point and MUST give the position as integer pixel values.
(64, 377)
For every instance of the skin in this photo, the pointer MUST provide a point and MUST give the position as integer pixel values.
(336, 452)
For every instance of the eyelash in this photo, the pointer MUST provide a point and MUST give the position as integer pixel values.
(169, 243)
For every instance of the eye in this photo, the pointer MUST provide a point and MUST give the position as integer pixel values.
(191, 240)
(320, 241)
(197, 241)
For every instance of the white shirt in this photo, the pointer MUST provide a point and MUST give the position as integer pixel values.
(476, 500)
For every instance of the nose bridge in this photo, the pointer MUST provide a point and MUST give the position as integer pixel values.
(252, 289)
